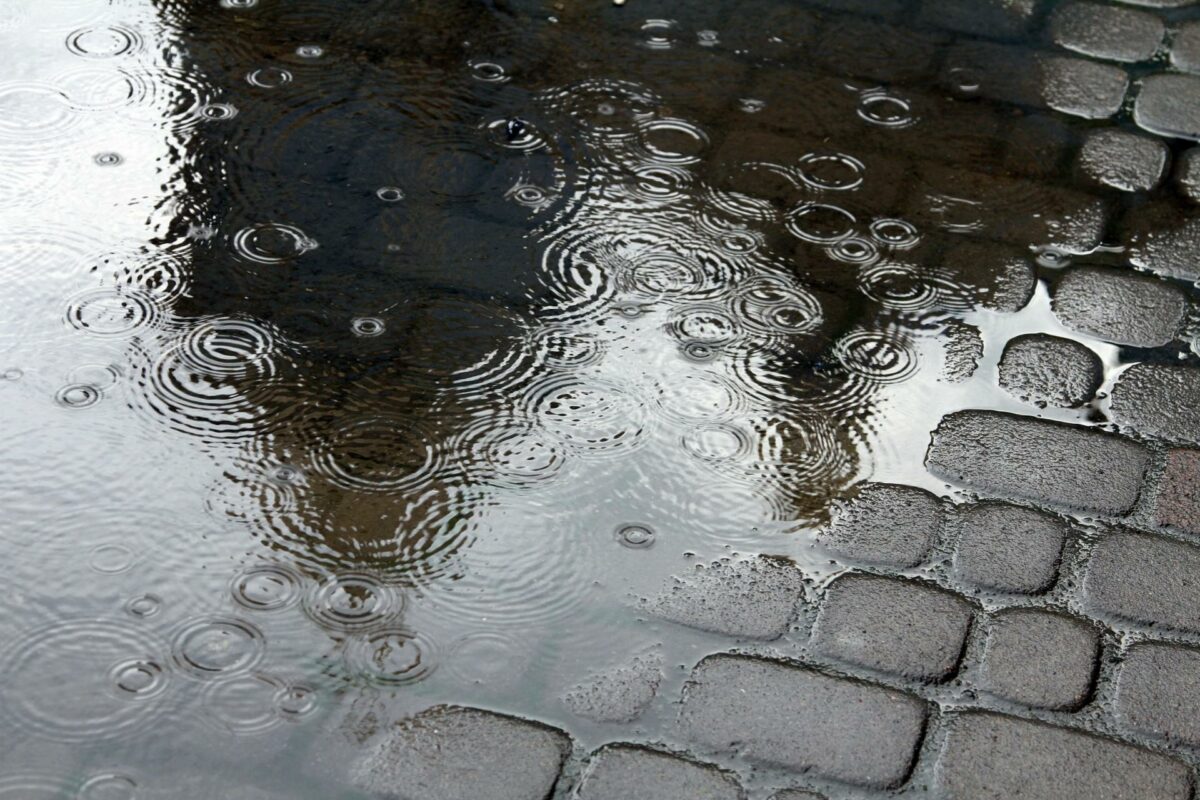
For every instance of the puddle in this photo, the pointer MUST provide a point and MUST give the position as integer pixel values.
(359, 358)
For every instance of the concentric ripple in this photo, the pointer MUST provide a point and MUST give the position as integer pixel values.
(377, 454)
(392, 656)
(592, 415)
(112, 312)
(879, 356)
(84, 680)
(267, 587)
(353, 601)
(208, 647)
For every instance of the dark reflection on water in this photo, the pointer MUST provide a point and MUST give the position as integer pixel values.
(391, 351)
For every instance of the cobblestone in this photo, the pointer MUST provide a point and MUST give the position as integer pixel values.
(1177, 504)
(1040, 659)
(1146, 580)
(1124, 161)
(1169, 105)
(894, 626)
(1156, 692)
(886, 524)
(993, 757)
(1118, 34)
(622, 771)
(621, 694)
(1119, 306)
(1047, 462)
(1008, 548)
(1187, 174)
(1185, 47)
(754, 599)
(802, 720)
(1049, 370)
(1159, 401)
(453, 753)
(796, 794)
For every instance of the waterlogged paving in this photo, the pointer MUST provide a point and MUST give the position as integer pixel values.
(567, 399)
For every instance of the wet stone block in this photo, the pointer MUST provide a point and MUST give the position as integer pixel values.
(1082, 88)
(753, 599)
(620, 772)
(1040, 659)
(1123, 161)
(1146, 580)
(802, 720)
(1187, 174)
(796, 794)
(1185, 47)
(1049, 370)
(984, 274)
(886, 524)
(1119, 306)
(1009, 548)
(993, 757)
(863, 48)
(895, 626)
(1117, 34)
(452, 753)
(1178, 502)
(619, 695)
(990, 18)
(1164, 241)
(1156, 693)
(1169, 105)
(1047, 462)
(1160, 401)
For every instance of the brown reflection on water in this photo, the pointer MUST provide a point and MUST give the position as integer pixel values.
(406, 310)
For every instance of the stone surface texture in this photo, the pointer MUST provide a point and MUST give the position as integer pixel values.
(621, 694)
(451, 753)
(1008, 548)
(754, 599)
(1067, 466)
(1159, 401)
(1049, 370)
(802, 720)
(1177, 504)
(1040, 659)
(993, 757)
(1169, 105)
(1105, 31)
(899, 627)
(1119, 306)
(1123, 161)
(1146, 580)
(1156, 692)
(621, 772)
(886, 524)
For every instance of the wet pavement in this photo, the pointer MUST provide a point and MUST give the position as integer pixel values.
(523, 399)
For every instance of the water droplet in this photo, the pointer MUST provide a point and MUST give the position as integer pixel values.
(393, 657)
(268, 77)
(13, 374)
(751, 105)
(143, 606)
(108, 159)
(390, 194)
(895, 233)
(104, 42)
(489, 72)
(138, 677)
(367, 327)
(296, 700)
(353, 601)
(238, 4)
(707, 38)
(1052, 257)
(267, 587)
(217, 111)
(820, 223)
(831, 171)
(108, 786)
(310, 51)
(77, 395)
(271, 243)
(112, 558)
(635, 536)
(886, 110)
(217, 646)
(659, 34)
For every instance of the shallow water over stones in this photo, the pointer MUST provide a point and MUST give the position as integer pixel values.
(553, 399)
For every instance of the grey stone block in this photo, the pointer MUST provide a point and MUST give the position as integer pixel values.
(1187, 174)
(1009, 548)
(993, 757)
(796, 794)
(1177, 504)
(1118, 34)
(1119, 306)
(1156, 692)
(1144, 579)
(619, 695)
(1164, 241)
(991, 18)
(1049, 370)
(1040, 659)
(1169, 105)
(1160, 401)
(1048, 462)
(1121, 160)
(802, 720)
(886, 524)
(1185, 47)
(895, 626)
(1082, 88)
(453, 753)
(623, 771)
(754, 599)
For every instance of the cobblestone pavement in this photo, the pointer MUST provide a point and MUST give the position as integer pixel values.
(1035, 631)
(657, 400)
